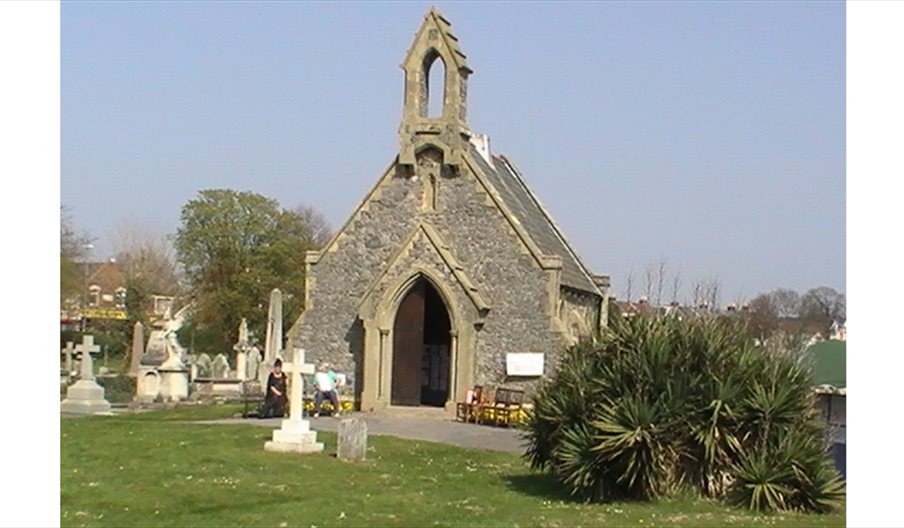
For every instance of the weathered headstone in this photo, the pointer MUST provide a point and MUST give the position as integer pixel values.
(295, 435)
(85, 396)
(219, 368)
(253, 363)
(137, 348)
(352, 439)
(203, 364)
(67, 353)
(241, 348)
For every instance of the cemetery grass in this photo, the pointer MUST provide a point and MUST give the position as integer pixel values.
(158, 469)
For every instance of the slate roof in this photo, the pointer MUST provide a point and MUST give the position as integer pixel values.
(526, 207)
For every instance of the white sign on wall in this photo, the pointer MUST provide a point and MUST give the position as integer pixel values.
(524, 364)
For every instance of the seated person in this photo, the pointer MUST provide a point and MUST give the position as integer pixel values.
(325, 387)
(276, 399)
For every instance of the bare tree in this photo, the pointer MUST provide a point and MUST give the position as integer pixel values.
(787, 302)
(823, 306)
(629, 284)
(649, 280)
(73, 250)
(661, 268)
(707, 293)
(147, 260)
(713, 292)
(321, 232)
(676, 285)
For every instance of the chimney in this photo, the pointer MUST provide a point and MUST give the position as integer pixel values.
(482, 143)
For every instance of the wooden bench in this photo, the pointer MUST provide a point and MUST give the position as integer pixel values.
(496, 399)
(252, 399)
(511, 409)
(469, 409)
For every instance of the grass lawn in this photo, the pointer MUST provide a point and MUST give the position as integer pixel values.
(154, 469)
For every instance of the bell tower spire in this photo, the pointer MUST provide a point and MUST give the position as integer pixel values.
(448, 131)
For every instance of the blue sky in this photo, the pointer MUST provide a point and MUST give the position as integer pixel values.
(711, 134)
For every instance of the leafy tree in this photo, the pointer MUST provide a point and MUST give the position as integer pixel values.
(823, 306)
(234, 248)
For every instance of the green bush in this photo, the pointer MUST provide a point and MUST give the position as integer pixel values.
(661, 403)
(117, 389)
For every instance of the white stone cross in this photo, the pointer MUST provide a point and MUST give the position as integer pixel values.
(86, 348)
(296, 396)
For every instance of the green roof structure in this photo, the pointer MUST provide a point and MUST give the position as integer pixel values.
(828, 361)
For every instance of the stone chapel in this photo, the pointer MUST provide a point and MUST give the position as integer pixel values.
(449, 265)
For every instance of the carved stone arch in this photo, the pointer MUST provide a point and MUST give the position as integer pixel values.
(379, 318)
(389, 305)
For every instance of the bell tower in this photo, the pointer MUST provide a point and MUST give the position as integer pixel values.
(434, 51)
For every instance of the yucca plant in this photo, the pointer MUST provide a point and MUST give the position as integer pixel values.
(762, 481)
(657, 402)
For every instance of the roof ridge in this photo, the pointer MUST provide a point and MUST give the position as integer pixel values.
(555, 227)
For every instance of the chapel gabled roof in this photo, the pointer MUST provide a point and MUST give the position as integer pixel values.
(530, 213)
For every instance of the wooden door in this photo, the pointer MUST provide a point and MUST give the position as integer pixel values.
(408, 348)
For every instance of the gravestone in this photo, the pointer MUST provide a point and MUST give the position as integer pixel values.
(85, 396)
(295, 435)
(352, 439)
(241, 348)
(67, 352)
(253, 363)
(219, 368)
(203, 365)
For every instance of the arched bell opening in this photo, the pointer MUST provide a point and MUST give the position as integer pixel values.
(435, 84)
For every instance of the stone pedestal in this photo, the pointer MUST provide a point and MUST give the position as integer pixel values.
(85, 397)
(174, 384)
(295, 436)
(173, 380)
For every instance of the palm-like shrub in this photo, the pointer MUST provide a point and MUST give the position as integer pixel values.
(660, 403)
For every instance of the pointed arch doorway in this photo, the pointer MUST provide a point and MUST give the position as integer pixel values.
(421, 343)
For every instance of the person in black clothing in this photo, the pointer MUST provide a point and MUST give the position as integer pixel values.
(275, 401)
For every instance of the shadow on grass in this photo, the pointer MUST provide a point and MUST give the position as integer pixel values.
(540, 485)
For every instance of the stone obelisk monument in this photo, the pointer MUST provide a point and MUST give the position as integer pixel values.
(137, 348)
(273, 346)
